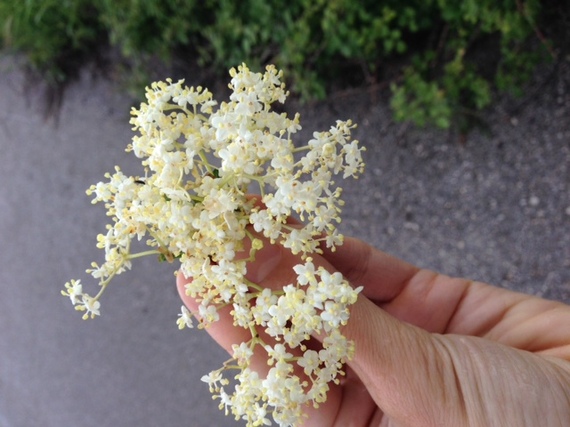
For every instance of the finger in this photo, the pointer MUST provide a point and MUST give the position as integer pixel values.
(383, 275)
(402, 289)
(441, 304)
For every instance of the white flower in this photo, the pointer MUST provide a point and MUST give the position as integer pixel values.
(90, 305)
(309, 361)
(300, 241)
(225, 401)
(242, 353)
(353, 159)
(306, 273)
(334, 314)
(282, 160)
(263, 302)
(213, 379)
(219, 201)
(277, 353)
(73, 290)
(208, 313)
(185, 319)
(262, 221)
(334, 239)
(242, 315)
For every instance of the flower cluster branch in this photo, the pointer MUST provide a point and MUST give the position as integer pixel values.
(202, 160)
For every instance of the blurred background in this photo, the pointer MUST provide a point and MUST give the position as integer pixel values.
(464, 110)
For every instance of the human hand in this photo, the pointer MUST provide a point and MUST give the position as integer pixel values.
(431, 350)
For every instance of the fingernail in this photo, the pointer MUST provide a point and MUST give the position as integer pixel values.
(266, 261)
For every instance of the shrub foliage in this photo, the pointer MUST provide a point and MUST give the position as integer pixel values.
(443, 59)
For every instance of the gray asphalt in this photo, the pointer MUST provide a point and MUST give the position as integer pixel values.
(496, 209)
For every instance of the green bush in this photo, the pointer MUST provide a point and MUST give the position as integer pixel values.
(155, 27)
(452, 55)
(481, 45)
(53, 33)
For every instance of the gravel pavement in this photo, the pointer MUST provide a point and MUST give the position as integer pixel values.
(495, 208)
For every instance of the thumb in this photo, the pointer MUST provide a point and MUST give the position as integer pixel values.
(400, 365)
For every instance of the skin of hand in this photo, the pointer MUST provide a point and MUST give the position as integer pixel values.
(431, 350)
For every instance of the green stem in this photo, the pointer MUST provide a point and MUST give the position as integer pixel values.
(253, 285)
(145, 253)
(205, 161)
(158, 240)
(302, 148)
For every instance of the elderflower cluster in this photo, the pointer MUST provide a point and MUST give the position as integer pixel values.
(202, 160)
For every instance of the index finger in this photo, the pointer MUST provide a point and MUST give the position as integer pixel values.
(383, 276)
